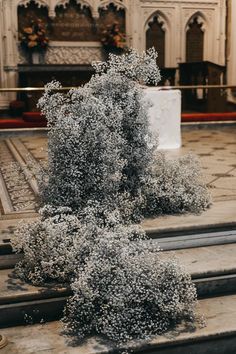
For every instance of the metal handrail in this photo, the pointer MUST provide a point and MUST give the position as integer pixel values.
(180, 87)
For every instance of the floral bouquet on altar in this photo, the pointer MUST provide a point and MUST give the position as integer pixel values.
(113, 39)
(34, 39)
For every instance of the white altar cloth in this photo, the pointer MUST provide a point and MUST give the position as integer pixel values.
(165, 116)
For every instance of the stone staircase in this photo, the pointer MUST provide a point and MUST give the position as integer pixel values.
(210, 257)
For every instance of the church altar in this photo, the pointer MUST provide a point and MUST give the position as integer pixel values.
(165, 116)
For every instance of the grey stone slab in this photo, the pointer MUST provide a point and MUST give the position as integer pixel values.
(34, 311)
(8, 261)
(215, 286)
(207, 261)
(196, 240)
(220, 214)
(13, 290)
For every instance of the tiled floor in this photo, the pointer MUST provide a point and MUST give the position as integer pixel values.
(216, 148)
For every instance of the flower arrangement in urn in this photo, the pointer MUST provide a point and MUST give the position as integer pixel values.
(35, 41)
(113, 39)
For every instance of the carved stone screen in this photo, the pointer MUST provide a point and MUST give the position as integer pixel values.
(155, 37)
(73, 23)
(194, 42)
(31, 13)
(110, 15)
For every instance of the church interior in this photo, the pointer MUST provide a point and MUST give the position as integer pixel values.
(193, 111)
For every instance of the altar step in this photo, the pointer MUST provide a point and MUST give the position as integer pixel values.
(213, 270)
(218, 337)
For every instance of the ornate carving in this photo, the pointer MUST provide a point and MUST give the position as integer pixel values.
(66, 2)
(199, 19)
(68, 55)
(176, 2)
(38, 2)
(73, 23)
(118, 3)
(73, 55)
(160, 18)
(19, 195)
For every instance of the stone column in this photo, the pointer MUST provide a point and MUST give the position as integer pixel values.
(231, 49)
(3, 96)
(9, 57)
(135, 25)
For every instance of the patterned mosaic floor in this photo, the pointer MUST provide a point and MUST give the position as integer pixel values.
(216, 148)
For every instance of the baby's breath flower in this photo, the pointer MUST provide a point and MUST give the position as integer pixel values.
(103, 176)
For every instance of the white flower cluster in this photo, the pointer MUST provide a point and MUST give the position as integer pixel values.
(126, 290)
(102, 176)
(174, 186)
(132, 65)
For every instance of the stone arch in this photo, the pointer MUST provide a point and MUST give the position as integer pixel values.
(55, 3)
(109, 13)
(40, 3)
(159, 23)
(83, 27)
(63, 3)
(201, 19)
(27, 10)
(120, 4)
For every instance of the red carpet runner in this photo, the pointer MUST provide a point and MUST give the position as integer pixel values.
(34, 119)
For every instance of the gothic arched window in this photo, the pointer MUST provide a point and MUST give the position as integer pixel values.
(155, 37)
(194, 41)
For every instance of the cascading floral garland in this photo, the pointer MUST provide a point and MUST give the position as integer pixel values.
(103, 176)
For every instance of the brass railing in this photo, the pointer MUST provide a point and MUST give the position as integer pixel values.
(180, 87)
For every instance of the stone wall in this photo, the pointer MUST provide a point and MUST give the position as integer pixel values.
(175, 15)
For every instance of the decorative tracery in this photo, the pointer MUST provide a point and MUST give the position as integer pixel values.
(26, 3)
(120, 4)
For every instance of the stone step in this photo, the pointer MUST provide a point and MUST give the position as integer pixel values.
(213, 270)
(218, 337)
(168, 240)
(9, 260)
(190, 240)
(22, 303)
